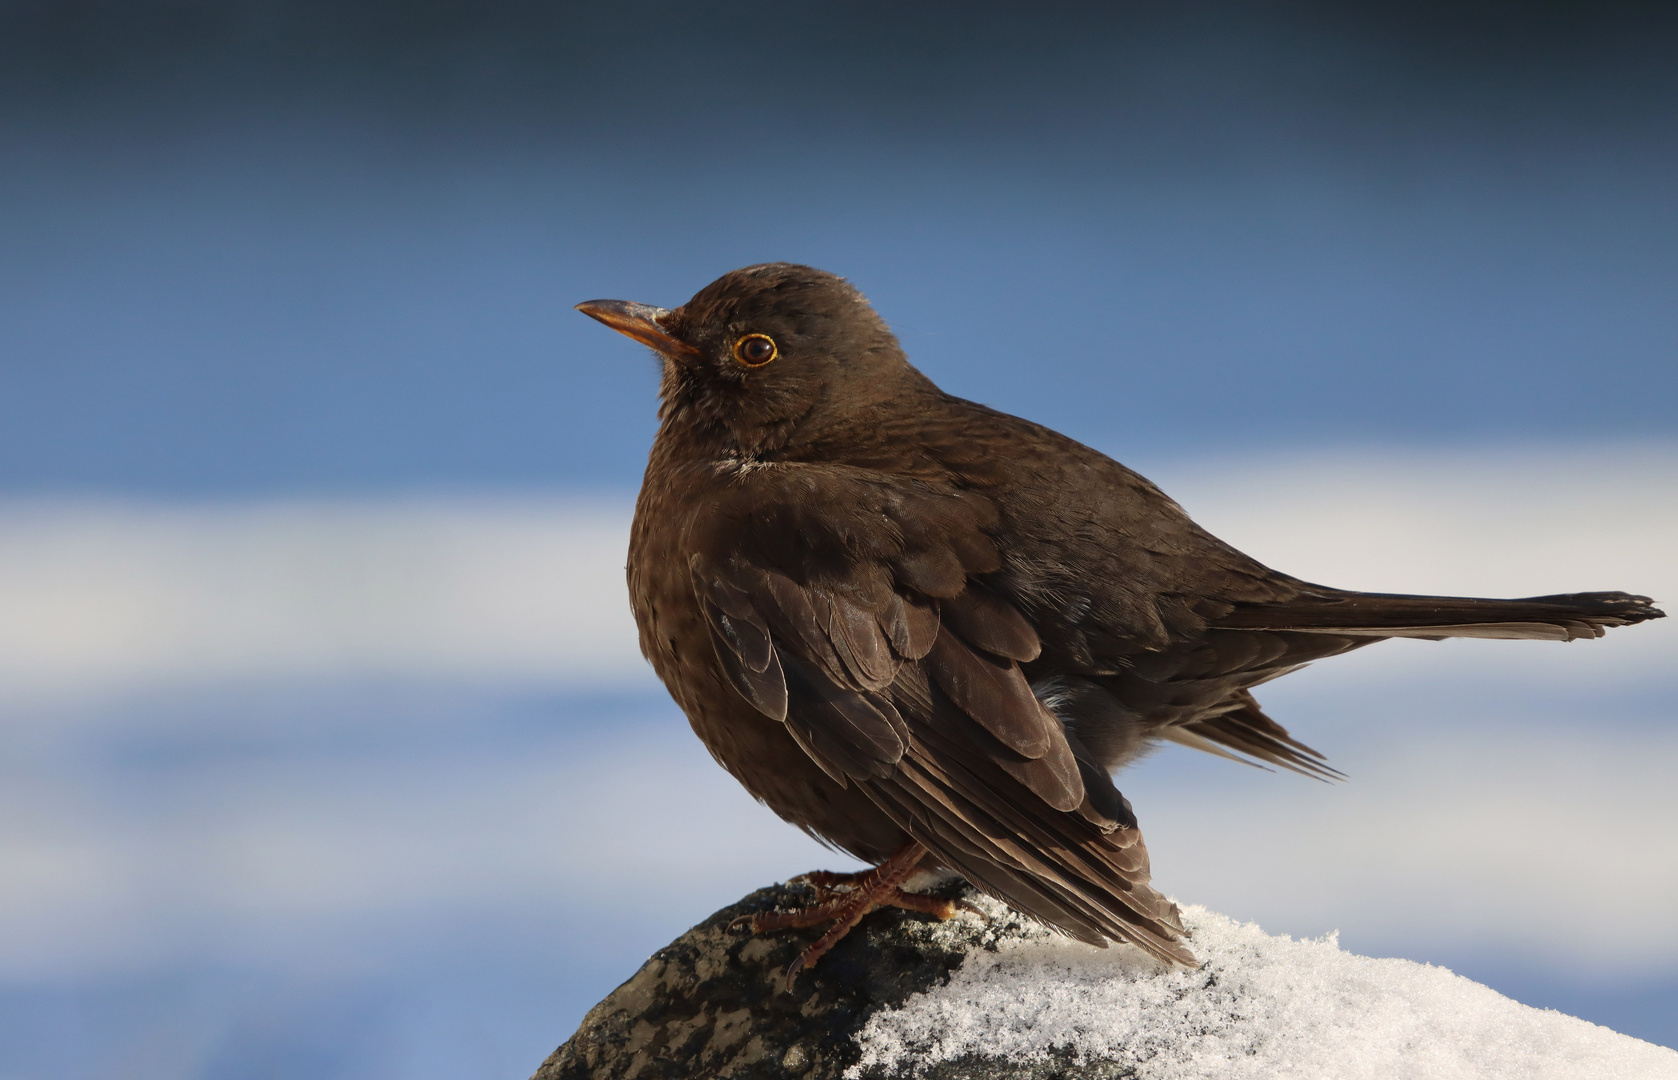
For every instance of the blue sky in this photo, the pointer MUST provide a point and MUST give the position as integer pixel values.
(318, 759)
(354, 270)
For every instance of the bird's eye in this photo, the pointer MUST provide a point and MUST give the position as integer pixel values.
(755, 350)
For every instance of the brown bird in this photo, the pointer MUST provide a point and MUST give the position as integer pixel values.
(926, 632)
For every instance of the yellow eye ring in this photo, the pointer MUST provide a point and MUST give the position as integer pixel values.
(755, 350)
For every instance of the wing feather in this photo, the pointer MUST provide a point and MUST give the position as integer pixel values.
(766, 689)
(993, 691)
(896, 668)
(985, 621)
(852, 735)
(860, 643)
(911, 625)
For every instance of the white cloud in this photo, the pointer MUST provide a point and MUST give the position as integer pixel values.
(110, 595)
(1542, 835)
(1552, 843)
(1488, 523)
(113, 595)
(267, 856)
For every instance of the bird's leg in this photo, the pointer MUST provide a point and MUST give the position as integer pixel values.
(869, 889)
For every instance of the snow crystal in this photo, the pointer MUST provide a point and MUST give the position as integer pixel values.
(1259, 1006)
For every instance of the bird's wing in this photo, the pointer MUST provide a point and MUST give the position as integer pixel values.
(854, 610)
(1171, 626)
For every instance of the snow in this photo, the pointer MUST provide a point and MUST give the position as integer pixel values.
(1259, 1006)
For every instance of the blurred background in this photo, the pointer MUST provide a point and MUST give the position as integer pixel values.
(325, 748)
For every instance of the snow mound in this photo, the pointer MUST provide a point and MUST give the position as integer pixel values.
(1259, 1006)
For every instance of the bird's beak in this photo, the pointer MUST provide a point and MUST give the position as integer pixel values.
(639, 321)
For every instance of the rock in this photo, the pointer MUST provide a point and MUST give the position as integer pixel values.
(711, 1004)
(995, 997)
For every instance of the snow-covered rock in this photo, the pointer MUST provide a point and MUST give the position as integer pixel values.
(999, 998)
(1259, 1006)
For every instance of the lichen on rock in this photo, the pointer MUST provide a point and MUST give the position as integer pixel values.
(711, 1003)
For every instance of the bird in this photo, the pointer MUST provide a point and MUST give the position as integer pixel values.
(928, 632)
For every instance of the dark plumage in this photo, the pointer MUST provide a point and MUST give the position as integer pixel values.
(895, 615)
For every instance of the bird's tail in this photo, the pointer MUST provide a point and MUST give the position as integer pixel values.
(1320, 610)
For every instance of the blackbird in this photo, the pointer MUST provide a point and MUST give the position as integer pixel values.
(926, 632)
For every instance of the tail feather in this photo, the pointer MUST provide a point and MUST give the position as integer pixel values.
(1245, 729)
(1557, 618)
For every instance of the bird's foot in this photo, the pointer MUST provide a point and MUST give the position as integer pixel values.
(831, 886)
(843, 899)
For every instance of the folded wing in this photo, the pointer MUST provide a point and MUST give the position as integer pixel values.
(868, 624)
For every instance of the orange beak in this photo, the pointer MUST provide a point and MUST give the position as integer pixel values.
(639, 321)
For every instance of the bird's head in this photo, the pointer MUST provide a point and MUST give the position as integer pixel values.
(769, 355)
